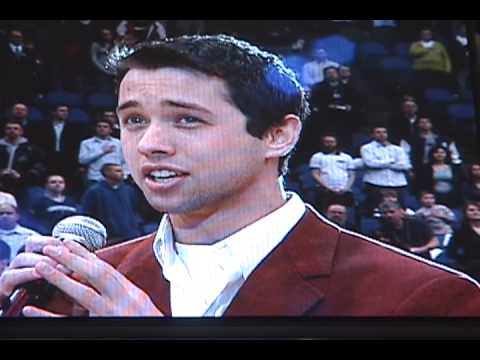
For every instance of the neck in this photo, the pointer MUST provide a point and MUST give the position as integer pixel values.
(475, 223)
(425, 132)
(55, 195)
(398, 225)
(112, 182)
(227, 216)
(12, 141)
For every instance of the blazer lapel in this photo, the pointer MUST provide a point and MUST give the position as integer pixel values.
(281, 284)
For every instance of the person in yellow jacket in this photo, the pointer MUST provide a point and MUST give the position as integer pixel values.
(429, 54)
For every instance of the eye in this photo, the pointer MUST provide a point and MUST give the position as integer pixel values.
(189, 121)
(134, 121)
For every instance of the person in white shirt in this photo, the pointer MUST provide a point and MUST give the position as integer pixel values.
(334, 172)
(313, 71)
(386, 167)
(99, 150)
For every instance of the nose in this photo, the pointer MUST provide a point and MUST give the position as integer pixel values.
(157, 139)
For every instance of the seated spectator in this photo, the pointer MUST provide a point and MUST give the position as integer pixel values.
(313, 72)
(425, 139)
(439, 217)
(115, 204)
(11, 232)
(4, 256)
(337, 213)
(386, 168)
(100, 149)
(406, 232)
(391, 195)
(54, 205)
(471, 189)
(22, 164)
(98, 53)
(442, 178)
(464, 247)
(431, 61)
(333, 170)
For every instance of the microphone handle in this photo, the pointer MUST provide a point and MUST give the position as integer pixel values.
(34, 293)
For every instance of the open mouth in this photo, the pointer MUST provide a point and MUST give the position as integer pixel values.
(162, 176)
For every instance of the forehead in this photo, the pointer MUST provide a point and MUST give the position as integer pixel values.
(13, 126)
(7, 208)
(55, 178)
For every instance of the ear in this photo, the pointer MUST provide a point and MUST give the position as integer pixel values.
(281, 139)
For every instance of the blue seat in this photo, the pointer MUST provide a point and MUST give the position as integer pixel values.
(395, 63)
(35, 115)
(461, 111)
(101, 101)
(78, 116)
(56, 98)
(439, 95)
(373, 49)
(369, 225)
(402, 49)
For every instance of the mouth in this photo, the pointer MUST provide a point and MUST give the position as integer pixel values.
(164, 176)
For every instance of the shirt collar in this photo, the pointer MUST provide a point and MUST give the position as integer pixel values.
(247, 246)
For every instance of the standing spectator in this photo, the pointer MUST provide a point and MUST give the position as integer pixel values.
(442, 178)
(112, 118)
(103, 80)
(5, 255)
(100, 149)
(19, 113)
(314, 71)
(11, 232)
(22, 164)
(54, 205)
(386, 167)
(17, 71)
(439, 217)
(471, 189)
(426, 139)
(431, 61)
(333, 170)
(464, 247)
(406, 232)
(60, 139)
(460, 60)
(403, 126)
(115, 204)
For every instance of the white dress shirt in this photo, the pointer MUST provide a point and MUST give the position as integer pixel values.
(386, 164)
(16, 238)
(334, 169)
(205, 278)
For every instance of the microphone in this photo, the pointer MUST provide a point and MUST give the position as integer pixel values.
(85, 230)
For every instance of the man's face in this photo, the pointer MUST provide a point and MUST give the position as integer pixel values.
(409, 108)
(320, 54)
(56, 184)
(329, 143)
(331, 74)
(338, 214)
(62, 113)
(20, 111)
(16, 38)
(13, 131)
(394, 216)
(107, 35)
(426, 35)
(186, 143)
(110, 117)
(425, 124)
(103, 129)
(114, 173)
(380, 134)
(428, 200)
(476, 171)
(345, 72)
(8, 217)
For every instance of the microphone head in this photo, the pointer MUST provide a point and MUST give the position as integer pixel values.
(83, 229)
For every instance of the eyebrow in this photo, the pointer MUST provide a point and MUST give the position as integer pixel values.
(173, 103)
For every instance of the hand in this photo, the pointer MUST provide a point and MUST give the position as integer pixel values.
(108, 148)
(22, 268)
(417, 250)
(15, 174)
(96, 285)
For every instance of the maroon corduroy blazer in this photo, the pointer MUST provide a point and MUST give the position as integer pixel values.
(318, 270)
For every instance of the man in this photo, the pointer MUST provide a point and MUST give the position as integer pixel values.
(99, 150)
(334, 172)
(386, 166)
(22, 164)
(403, 125)
(115, 204)
(60, 139)
(11, 232)
(207, 149)
(406, 232)
(338, 214)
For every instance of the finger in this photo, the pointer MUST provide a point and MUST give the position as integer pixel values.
(79, 250)
(35, 243)
(33, 311)
(24, 260)
(12, 278)
(82, 294)
(98, 273)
